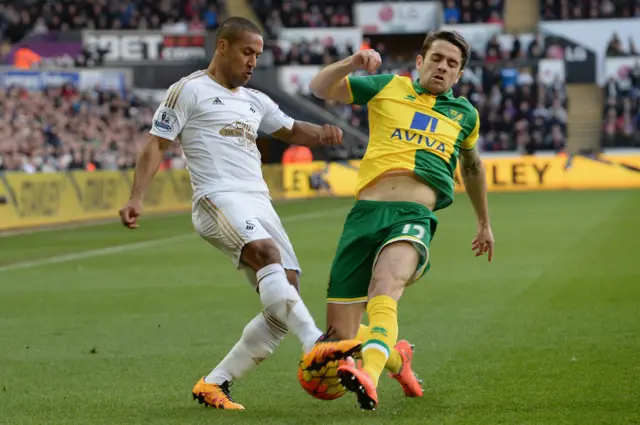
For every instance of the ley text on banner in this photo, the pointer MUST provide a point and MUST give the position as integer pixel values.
(514, 174)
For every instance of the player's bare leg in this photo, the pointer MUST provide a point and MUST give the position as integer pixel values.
(343, 320)
(395, 267)
(282, 301)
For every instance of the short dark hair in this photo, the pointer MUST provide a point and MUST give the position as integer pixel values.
(452, 37)
(233, 28)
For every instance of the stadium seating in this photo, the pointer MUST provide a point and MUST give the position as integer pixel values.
(563, 10)
(63, 129)
(339, 13)
(310, 53)
(19, 18)
(304, 14)
(621, 120)
(469, 12)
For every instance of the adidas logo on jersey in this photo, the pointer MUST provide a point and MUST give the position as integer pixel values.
(217, 101)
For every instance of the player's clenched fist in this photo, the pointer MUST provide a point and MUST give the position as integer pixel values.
(130, 212)
(368, 60)
(330, 135)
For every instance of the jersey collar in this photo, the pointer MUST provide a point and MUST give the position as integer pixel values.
(421, 90)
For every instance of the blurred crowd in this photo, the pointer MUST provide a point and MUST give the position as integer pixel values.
(564, 10)
(277, 14)
(21, 17)
(323, 52)
(517, 110)
(472, 11)
(621, 125)
(314, 52)
(62, 128)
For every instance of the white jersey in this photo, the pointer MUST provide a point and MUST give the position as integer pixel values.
(217, 129)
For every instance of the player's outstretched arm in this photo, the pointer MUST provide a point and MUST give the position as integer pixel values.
(311, 135)
(330, 83)
(146, 168)
(148, 163)
(168, 121)
(475, 182)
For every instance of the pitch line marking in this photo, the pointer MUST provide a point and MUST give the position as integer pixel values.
(117, 249)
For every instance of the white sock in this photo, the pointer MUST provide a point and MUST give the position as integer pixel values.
(284, 303)
(259, 339)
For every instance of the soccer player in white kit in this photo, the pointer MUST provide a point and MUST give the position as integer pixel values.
(216, 121)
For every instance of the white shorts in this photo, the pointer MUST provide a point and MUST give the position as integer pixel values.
(229, 221)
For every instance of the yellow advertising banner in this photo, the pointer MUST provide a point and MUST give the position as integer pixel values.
(320, 179)
(49, 199)
(561, 173)
(607, 172)
(517, 173)
(28, 200)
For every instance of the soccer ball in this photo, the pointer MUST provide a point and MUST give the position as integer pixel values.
(323, 383)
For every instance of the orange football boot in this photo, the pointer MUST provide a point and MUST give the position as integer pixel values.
(214, 395)
(358, 381)
(408, 380)
(326, 350)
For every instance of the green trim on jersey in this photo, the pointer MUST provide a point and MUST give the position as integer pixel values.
(421, 90)
(363, 89)
(451, 107)
(433, 169)
(438, 174)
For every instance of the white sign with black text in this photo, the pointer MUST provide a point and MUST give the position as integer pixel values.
(411, 17)
(137, 46)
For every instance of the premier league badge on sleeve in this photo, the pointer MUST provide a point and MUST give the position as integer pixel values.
(165, 122)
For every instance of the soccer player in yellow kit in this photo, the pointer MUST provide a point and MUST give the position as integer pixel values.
(418, 132)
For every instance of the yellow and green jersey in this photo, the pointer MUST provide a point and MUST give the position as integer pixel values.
(412, 129)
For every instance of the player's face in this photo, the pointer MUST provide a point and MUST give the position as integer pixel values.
(242, 56)
(440, 67)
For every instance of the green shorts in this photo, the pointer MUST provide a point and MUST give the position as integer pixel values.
(369, 227)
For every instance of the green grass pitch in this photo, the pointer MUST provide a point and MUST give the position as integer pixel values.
(549, 333)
